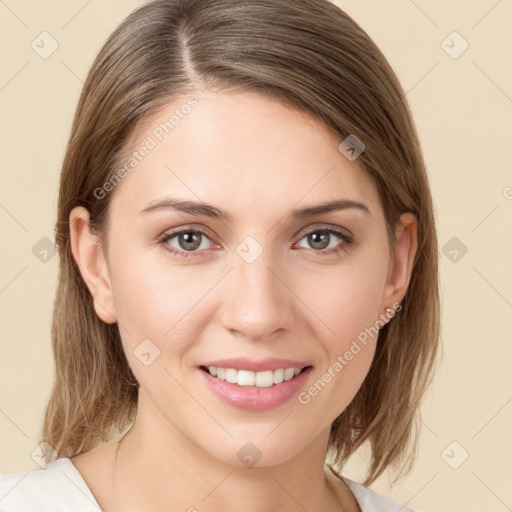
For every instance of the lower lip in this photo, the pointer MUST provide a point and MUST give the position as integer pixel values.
(252, 398)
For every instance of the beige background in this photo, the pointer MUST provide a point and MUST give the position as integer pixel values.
(463, 110)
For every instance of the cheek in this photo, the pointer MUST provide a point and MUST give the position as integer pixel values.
(345, 303)
(161, 316)
(344, 300)
(155, 299)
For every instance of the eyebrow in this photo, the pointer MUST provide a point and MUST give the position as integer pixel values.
(207, 210)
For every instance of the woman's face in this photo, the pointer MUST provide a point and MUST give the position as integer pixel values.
(260, 281)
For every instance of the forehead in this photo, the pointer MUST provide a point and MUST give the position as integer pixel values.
(238, 149)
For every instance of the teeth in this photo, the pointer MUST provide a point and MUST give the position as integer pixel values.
(263, 379)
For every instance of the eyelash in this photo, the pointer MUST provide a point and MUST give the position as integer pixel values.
(347, 240)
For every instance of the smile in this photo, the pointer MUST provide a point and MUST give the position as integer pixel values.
(263, 379)
(254, 390)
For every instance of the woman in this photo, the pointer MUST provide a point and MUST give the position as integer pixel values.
(248, 277)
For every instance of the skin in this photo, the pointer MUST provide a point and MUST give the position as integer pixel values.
(257, 159)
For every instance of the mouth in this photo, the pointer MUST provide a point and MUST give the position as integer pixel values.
(252, 390)
(255, 379)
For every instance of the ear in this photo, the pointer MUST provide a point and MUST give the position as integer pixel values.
(400, 270)
(88, 254)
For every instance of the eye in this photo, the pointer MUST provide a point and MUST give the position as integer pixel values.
(194, 242)
(323, 240)
(189, 242)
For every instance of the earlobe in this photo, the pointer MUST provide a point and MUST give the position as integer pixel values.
(400, 271)
(89, 256)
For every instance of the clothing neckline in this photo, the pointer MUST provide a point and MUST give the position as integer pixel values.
(355, 488)
(68, 463)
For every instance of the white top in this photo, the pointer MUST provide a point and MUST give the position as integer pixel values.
(61, 488)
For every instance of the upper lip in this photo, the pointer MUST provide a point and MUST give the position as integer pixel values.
(242, 363)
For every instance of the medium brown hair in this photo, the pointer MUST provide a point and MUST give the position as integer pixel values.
(308, 55)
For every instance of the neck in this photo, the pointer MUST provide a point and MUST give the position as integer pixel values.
(156, 471)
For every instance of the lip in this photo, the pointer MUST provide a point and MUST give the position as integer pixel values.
(242, 363)
(252, 398)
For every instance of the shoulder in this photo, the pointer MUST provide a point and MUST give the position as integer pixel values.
(58, 487)
(371, 501)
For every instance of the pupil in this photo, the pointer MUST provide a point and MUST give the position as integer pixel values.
(319, 241)
(190, 241)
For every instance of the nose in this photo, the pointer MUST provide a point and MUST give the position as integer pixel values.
(257, 301)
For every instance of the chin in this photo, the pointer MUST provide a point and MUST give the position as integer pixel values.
(256, 450)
